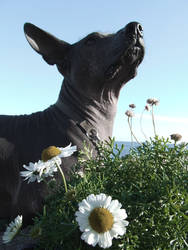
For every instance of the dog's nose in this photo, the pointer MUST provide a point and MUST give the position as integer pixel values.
(134, 28)
(140, 29)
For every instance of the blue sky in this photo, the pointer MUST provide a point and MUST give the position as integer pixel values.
(28, 84)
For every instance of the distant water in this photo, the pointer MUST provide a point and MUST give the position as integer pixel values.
(127, 146)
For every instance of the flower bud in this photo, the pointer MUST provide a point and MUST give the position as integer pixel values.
(132, 106)
(155, 102)
(147, 108)
(152, 101)
(129, 113)
(176, 137)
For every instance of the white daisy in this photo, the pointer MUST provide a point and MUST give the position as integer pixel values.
(51, 157)
(12, 229)
(101, 219)
(33, 172)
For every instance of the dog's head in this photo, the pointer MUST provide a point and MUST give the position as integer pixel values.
(97, 64)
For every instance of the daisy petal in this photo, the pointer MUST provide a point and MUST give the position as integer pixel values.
(105, 240)
(120, 227)
(120, 214)
(107, 201)
(114, 205)
(67, 151)
(12, 229)
(89, 240)
(93, 238)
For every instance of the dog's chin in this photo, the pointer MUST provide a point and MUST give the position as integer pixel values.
(127, 75)
(126, 65)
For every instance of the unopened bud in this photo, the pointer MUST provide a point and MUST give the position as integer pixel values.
(176, 137)
(129, 113)
(152, 101)
(155, 101)
(132, 106)
(147, 108)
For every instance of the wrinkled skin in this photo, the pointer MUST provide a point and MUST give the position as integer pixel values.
(94, 70)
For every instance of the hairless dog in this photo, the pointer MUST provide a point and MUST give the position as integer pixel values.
(94, 70)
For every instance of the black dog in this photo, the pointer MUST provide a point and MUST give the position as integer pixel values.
(94, 70)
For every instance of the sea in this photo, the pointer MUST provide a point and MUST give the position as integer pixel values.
(127, 146)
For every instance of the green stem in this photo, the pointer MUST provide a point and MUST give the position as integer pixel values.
(44, 210)
(132, 132)
(63, 177)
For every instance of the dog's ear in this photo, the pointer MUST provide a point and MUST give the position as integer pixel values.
(51, 48)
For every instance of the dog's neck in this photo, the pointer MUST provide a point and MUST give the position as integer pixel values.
(98, 114)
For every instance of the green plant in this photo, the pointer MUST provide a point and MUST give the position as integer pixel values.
(151, 182)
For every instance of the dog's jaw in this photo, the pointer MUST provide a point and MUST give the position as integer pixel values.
(130, 58)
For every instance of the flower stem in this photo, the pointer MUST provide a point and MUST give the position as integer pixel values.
(132, 131)
(44, 210)
(152, 113)
(141, 127)
(131, 125)
(63, 177)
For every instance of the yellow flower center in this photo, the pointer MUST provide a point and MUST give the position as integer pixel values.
(49, 153)
(101, 220)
